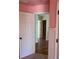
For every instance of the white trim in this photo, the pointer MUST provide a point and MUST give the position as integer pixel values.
(51, 45)
(36, 12)
(40, 12)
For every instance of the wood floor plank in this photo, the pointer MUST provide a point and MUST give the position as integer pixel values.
(36, 56)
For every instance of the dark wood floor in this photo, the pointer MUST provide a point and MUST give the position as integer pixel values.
(42, 47)
(36, 56)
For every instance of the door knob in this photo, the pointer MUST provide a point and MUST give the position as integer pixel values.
(20, 38)
(56, 40)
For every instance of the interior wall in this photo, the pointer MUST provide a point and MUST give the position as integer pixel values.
(52, 11)
(52, 24)
(52, 29)
(33, 8)
(27, 32)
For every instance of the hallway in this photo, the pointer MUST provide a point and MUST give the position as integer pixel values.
(42, 47)
(36, 56)
(36, 29)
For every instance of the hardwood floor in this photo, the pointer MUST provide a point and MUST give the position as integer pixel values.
(42, 47)
(36, 56)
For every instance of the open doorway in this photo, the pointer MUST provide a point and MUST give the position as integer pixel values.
(41, 41)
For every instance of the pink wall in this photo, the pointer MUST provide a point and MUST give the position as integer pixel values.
(33, 8)
(38, 2)
(53, 11)
(41, 6)
(52, 29)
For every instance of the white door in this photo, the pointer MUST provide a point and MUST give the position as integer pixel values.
(21, 31)
(27, 34)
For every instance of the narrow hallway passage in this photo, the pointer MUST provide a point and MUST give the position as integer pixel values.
(38, 34)
(42, 48)
(42, 34)
(36, 56)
